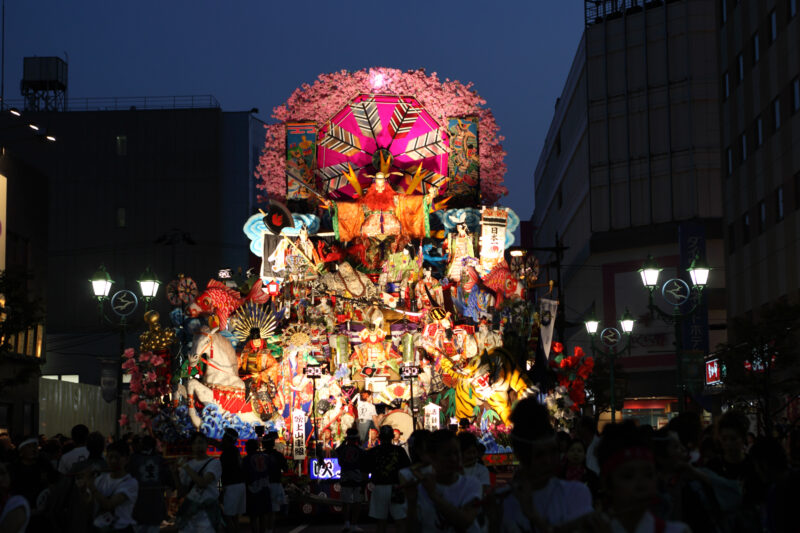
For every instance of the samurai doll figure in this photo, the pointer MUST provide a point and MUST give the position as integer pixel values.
(459, 247)
(261, 374)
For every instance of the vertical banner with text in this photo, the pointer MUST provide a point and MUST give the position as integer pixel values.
(493, 236)
(300, 155)
(692, 241)
(299, 434)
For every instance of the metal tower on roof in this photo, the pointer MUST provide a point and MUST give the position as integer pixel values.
(44, 84)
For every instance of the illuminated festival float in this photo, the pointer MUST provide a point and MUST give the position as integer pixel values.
(386, 266)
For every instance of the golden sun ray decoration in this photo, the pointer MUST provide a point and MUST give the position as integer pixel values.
(252, 315)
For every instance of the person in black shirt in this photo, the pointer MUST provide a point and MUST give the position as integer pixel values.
(256, 471)
(734, 464)
(31, 476)
(276, 466)
(384, 462)
(151, 472)
(233, 487)
(351, 460)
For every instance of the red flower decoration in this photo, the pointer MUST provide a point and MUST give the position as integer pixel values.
(558, 347)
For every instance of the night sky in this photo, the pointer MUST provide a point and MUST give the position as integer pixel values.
(254, 53)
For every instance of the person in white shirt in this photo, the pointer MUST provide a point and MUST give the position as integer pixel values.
(366, 414)
(115, 492)
(200, 512)
(79, 453)
(628, 470)
(445, 500)
(538, 500)
(470, 454)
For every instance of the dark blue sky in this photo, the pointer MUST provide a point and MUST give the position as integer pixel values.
(251, 53)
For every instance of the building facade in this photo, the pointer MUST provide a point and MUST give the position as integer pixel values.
(134, 186)
(759, 69)
(24, 264)
(630, 167)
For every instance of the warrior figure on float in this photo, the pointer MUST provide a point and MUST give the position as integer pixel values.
(379, 215)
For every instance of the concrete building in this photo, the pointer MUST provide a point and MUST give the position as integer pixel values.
(24, 260)
(759, 69)
(631, 167)
(136, 183)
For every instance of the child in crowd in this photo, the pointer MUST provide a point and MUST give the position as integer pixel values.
(471, 452)
(573, 467)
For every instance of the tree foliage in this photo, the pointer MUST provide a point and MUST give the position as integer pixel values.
(760, 359)
(598, 384)
(320, 100)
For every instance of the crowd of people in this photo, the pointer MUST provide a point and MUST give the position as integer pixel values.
(630, 478)
(88, 483)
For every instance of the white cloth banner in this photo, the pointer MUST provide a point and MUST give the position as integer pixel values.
(432, 416)
(547, 321)
(493, 236)
(299, 434)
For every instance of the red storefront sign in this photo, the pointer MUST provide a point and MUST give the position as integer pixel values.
(713, 372)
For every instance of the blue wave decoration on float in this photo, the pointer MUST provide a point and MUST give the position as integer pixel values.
(216, 421)
(472, 217)
(254, 228)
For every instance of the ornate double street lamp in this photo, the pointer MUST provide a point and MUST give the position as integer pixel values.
(611, 343)
(684, 300)
(123, 304)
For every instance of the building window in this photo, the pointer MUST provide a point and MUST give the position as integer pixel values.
(724, 11)
(756, 50)
(746, 228)
(726, 82)
(731, 238)
(741, 67)
(773, 27)
(779, 204)
(122, 145)
(759, 132)
(796, 94)
(762, 216)
(744, 147)
(730, 161)
(792, 8)
(776, 113)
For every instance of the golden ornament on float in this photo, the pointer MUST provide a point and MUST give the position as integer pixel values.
(156, 339)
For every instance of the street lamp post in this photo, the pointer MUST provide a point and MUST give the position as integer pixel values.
(610, 339)
(123, 304)
(676, 292)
